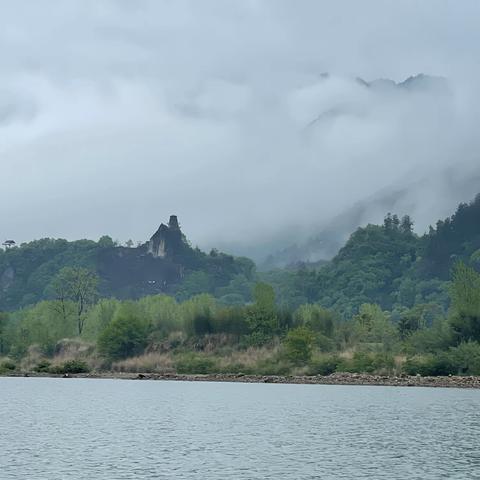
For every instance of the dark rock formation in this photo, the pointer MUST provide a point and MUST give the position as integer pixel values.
(167, 240)
(154, 267)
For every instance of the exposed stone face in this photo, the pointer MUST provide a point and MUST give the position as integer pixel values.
(167, 240)
(157, 243)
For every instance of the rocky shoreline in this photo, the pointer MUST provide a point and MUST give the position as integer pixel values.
(334, 379)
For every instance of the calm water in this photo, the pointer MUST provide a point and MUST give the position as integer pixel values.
(110, 429)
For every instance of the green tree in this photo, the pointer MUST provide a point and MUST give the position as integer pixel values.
(406, 225)
(261, 317)
(264, 296)
(466, 357)
(106, 242)
(79, 286)
(316, 318)
(125, 336)
(372, 325)
(298, 345)
(465, 296)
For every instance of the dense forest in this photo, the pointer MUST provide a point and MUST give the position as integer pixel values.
(390, 301)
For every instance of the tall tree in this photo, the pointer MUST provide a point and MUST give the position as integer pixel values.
(465, 296)
(79, 286)
(262, 317)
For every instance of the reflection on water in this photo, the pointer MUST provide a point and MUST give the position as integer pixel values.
(111, 429)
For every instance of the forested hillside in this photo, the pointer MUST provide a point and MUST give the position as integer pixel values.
(28, 271)
(385, 264)
(389, 301)
(388, 264)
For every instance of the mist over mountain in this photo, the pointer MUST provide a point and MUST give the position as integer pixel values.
(330, 236)
(231, 123)
(427, 198)
(405, 136)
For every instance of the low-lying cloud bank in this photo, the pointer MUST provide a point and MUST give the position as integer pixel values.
(115, 114)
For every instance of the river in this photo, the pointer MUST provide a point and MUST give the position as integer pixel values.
(122, 429)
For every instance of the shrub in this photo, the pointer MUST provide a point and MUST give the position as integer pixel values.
(298, 345)
(430, 365)
(466, 358)
(7, 365)
(325, 365)
(43, 366)
(324, 343)
(75, 366)
(272, 366)
(125, 336)
(195, 364)
(363, 362)
(70, 366)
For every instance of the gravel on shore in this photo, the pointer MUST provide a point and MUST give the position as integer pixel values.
(334, 379)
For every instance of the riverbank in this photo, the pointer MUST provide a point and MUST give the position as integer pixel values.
(334, 379)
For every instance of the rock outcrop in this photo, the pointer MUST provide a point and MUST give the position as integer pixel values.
(167, 240)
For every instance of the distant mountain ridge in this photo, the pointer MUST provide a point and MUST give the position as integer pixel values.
(388, 265)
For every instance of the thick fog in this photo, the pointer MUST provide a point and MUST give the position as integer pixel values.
(256, 122)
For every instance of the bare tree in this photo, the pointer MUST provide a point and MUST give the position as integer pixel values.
(77, 286)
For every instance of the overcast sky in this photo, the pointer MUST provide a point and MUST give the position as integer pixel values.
(116, 114)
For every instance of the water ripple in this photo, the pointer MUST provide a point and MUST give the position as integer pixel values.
(112, 430)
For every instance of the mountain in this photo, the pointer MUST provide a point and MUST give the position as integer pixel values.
(388, 264)
(164, 264)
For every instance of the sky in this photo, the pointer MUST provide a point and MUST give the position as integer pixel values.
(243, 118)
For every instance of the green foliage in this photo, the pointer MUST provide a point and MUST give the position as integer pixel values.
(298, 345)
(125, 336)
(323, 365)
(466, 358)
(430, 340)
(27, 272)
(318, 319)
(455, 238)
(192, 363)
(195, 283)
(463, 359)
(264, 296)
(70, 367)
(373, 326)
(261, 318)
(197, 313)
(430, 365)
(75, 286)
(43, 366)
(273, 366)
(99, 316)
(417, 318)
(377, 298)
(465, 294)
(31, 267)
(230, 320)
(7, 366)
(365, 362)
(41, 325)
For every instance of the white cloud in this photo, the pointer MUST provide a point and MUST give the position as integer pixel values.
(114, 114)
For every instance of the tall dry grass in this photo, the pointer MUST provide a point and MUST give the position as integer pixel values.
(148, 363)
